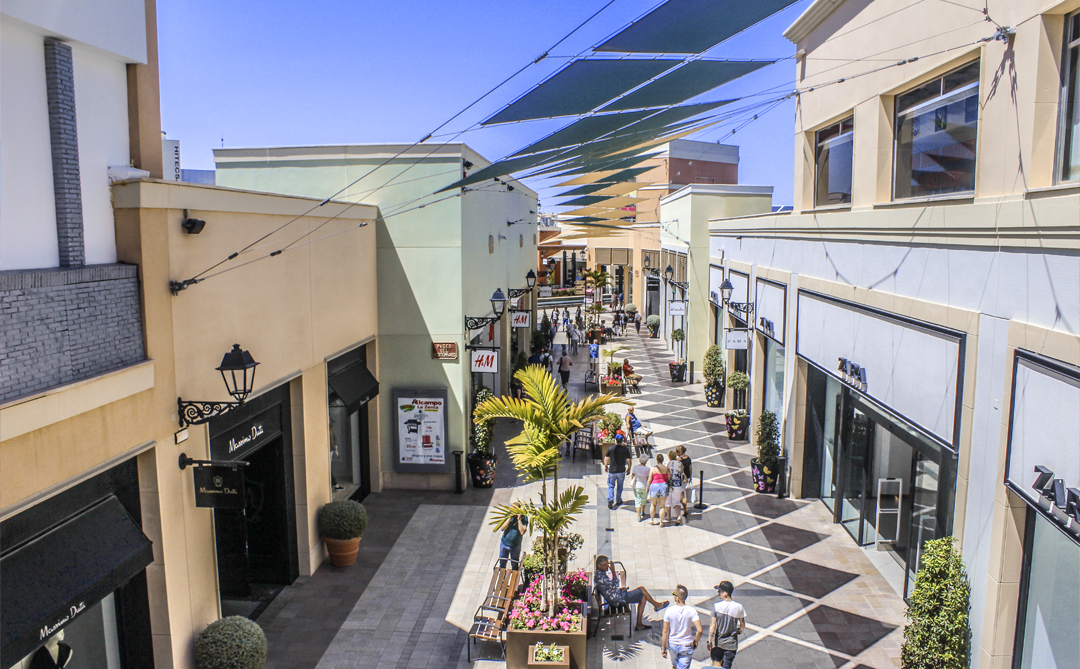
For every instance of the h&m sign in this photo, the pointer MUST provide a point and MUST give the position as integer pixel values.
(519, 319)
(485, 361)
(1054, 492)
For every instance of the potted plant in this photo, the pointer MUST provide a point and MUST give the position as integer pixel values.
(630, 309)
(653, 323)
(739, 382)
(737, 422)
(677, 369)
(482, 460)
(766, 465)
(231, 643)
(610, 426)
(341, 524)
(938, 633)
(549, 656)
(713, 371)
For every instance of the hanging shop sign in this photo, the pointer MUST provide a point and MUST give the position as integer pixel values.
(485, 361)
(544, 291)
(248, 436)
(421, 429)
(444, 350)
(677, 308)
(219, 487)
(519, 319)
(735, 340)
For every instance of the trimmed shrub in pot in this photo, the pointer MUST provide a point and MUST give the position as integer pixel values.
(341, 524)
(631, 309)
(713, 371)
(739, 382)
(938, 633)
(737, 422)
(766, 465)
(231, 643)
(653, 323)
(482, 460)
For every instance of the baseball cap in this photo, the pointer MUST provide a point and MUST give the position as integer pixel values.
(681, 592)
(725, 586)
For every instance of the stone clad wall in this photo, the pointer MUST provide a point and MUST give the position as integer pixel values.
(64, 325)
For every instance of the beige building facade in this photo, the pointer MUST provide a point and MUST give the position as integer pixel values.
(915, 320)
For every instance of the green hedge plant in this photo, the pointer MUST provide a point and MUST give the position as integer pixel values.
(231, 643)
(938, 635)
(738, 381)
(678, 335)
(484, 431)
(343, 520)
(652, 322)
(631, 309)
(713, 367)
(768, 440)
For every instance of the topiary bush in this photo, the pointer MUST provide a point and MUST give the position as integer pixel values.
(713, 367)
(768, 439)
(483, 432)
(652, 322)
(231, 643)
(631, 309)
(343, 520)
(938, 635)
(738, 381)
(678, 335)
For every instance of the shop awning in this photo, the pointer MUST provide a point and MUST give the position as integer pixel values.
(355, 385)
(61, 574)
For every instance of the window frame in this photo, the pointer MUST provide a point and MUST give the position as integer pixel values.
(1066, 79)
(839, 125)
(898, 112)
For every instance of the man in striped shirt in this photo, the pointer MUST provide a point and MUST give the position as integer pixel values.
(729, 620)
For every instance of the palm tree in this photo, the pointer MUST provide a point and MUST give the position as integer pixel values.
(549, 418)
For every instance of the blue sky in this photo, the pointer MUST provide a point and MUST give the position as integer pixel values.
(275, 73)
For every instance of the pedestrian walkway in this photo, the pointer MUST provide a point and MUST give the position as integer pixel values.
(813, 598)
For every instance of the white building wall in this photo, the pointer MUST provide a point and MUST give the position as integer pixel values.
(114, 26)
(27, 207)
(101, 112)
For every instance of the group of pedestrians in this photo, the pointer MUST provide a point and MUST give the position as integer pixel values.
(659, 484)
(682, 629)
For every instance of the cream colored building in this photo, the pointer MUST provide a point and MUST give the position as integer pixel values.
(916, 321)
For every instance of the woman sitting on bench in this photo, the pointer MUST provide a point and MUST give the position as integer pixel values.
(628, 373)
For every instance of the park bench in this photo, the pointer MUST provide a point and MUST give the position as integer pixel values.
(605, 609)
(490, 620)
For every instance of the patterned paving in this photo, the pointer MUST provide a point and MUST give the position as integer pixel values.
(812, 597)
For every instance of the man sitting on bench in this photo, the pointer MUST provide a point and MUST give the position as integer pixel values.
(607, 582)
(639, 430)
(628, 373)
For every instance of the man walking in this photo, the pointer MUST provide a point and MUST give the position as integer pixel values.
(594, 356)
(728, 622)
(682, 630)
(565, 363)
(617, 465)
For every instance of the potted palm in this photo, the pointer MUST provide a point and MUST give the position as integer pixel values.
(549, 612)
(653, 323)
(713, 371)
(766, 465)
(341, 525)
(482, 460)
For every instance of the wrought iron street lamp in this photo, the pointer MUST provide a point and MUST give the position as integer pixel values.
(530, 280)
(238, 372)
(726, 289)
(498, 307)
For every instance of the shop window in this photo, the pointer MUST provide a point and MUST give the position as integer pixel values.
(1069, 135)
(833, 158)
(1050, 600)
(936, 127)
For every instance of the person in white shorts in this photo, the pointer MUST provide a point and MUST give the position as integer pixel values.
(677, 489)
(640, 475)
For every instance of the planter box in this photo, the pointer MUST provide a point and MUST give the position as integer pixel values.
(565, 662)
(714, 395)
(519, 645)
(678, 372)
(763, 481)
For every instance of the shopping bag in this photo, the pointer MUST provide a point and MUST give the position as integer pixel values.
(693, 496)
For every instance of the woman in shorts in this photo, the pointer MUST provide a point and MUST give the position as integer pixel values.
(658, 489)
(677, 479)
(640, 475)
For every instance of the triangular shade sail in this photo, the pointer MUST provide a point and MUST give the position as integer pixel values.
(626, 175)
(602, 189)
(580, 87)
(601, 201)
(584, 130)
(620, 164)
(691, 26)
(689, 81)
(504, 167)
(598, 212)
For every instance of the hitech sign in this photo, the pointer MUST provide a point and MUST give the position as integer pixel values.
(485, 362)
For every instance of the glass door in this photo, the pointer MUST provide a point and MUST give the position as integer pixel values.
(834, 404)
(924, 512)
(854, 468)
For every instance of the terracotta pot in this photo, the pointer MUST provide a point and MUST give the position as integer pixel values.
(342, 551)
(565, 662)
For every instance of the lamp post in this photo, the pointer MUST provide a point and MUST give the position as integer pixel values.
(235, 367)
(498, 307)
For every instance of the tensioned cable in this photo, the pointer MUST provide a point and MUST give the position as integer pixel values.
(195, 279)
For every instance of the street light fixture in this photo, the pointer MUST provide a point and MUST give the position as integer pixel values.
(498, 307)
(239, 382)
(530, 279)
(726, 289)
(646, 262)
(669, 273)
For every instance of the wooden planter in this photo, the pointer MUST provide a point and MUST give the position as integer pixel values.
(565, 662)
(342, 551)
(518, 643)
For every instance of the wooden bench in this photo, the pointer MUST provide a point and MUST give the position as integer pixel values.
(490, 620)
(583, 441)
(605, 609)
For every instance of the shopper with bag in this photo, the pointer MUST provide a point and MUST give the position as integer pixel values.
(676, 489)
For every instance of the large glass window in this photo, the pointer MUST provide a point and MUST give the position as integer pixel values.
(936, 127)
(835, 146)
(1069, 152)
(1049, 639)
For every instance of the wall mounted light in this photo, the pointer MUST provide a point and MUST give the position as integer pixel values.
(192, 226)
(498, 307)
(238, 372)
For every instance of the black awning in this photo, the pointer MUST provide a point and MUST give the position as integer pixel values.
(355, 385)
(51, 580)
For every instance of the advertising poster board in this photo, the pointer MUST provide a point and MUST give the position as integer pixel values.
(420, 427)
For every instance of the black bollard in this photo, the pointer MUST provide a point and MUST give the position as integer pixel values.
(459, 465)
(701, 491)
(690, 379)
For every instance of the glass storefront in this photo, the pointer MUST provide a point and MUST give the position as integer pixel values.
(1050, 599)
(773, 397)
(350, 387)
(857, 453)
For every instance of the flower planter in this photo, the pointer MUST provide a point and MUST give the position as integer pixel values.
(565, 662)
(764, 476)
(677, 371)
(520, 642)
(342, 551)
(482, 469)
(714, 395)
(737, 426)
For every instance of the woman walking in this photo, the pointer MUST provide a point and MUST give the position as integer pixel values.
(640, 476)
(658, 489)
(677, 481)
(688, 476)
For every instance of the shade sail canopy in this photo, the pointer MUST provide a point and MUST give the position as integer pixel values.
(601, 201)
(599, 212)
(602, 189)
(584, 130)
(580, 87)
(583, 201)
(690, 26)
(504, 167)
(72, 566)
(625, 175)
(689, 81)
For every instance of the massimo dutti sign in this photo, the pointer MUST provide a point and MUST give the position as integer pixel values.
(219, 487)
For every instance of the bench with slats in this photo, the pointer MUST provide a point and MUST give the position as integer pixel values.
(490, 619)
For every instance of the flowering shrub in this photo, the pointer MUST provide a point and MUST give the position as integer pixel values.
(575, 586)
(526, 613)
(607, 435)
(552, 653)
